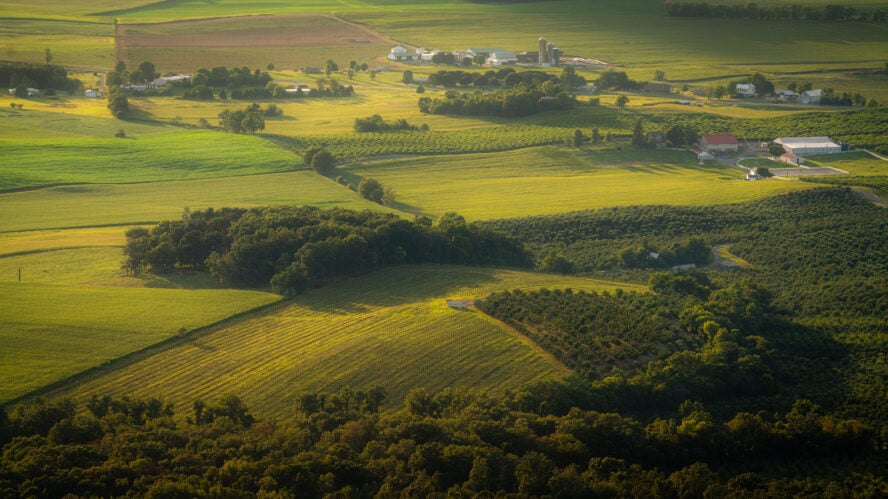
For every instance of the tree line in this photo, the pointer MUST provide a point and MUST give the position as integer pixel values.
(447, 444)
(295, 248)
(376, 124)
(774, 12)
(43, 76)
(525, 93)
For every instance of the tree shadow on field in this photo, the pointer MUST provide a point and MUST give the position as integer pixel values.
(401, 285)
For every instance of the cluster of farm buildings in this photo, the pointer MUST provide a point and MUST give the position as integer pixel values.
(793, 147)
(547, 54)
(807, 97)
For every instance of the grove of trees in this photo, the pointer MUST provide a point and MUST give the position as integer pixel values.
(294, 249)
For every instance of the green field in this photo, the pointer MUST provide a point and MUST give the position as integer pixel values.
(164, 153)
(66, 239)
(52, 331)
(41, 240)
(134, 204)
(855, 163)
(390, 328)
(86, 43)
(550, 180)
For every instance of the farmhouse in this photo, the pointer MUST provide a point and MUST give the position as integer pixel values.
(786, 95)
(498, 58)
(485, 52)
(427, 55)
(528, 57)
(301, 91)
(810, 97)
(400, 53)
(745, 90)
(720, 143)
(808, 145)
(163, 80)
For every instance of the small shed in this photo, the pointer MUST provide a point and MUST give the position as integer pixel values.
(792, 159)
(91, 93)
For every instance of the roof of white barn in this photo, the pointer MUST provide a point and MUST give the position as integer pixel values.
(805, 141)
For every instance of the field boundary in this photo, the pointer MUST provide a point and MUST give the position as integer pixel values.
(59, 387)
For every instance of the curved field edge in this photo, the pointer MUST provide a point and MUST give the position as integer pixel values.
(391, 328)
(51, 332)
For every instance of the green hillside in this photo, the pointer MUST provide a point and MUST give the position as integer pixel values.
(391, 328)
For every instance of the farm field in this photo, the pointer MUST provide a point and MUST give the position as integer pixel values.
(351, 334)
(15, 243)
(285, 40)
(81, 42)
(165, 153)
(550, 180)
(52, 331)
(855, 163)
(144, 203)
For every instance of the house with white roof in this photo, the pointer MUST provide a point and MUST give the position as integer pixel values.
(400, 53)
(498, 58)
(786, 95)
(745, 89)
(808, 145)
(810, 97)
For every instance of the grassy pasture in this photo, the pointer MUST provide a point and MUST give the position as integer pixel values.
(128, 204)
(391, 328)
(42, 240)
(557, 179)
(166, 153)
(53, 331)
(87, 43)
(95, 266)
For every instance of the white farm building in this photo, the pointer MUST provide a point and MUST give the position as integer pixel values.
(400, 53)
(808, 145)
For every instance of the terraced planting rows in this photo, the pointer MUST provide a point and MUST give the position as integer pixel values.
(390, 328)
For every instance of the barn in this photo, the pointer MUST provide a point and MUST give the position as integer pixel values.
(724, 142)
(808, 145)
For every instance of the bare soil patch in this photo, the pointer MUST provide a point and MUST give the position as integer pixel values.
(271, 31)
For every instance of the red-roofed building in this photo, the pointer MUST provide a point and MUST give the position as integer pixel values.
(720, 143)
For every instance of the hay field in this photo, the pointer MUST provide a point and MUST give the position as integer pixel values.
(390, 328)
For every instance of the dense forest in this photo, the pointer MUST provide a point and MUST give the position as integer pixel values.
(447, 444)
(295, 248)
